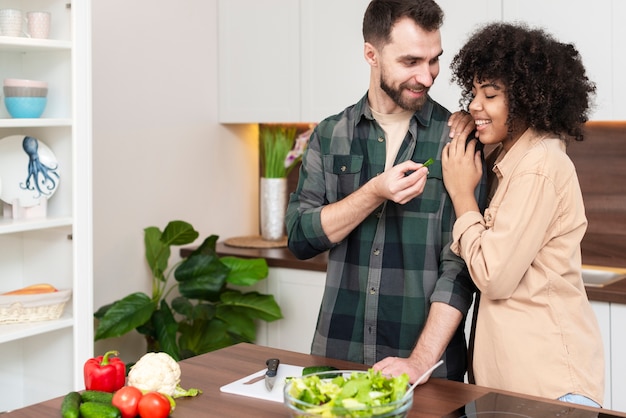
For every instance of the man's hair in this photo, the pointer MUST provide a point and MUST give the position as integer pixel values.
(381, 15)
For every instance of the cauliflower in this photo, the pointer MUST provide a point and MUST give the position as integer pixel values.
(158, 372)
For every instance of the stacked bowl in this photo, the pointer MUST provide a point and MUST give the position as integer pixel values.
(25, 98)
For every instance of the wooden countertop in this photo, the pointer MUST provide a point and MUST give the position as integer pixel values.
(282, 257)
(208, 372)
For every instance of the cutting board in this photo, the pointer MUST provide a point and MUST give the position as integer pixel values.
(257, 389)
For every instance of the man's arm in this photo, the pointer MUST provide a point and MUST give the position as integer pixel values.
(443, 320)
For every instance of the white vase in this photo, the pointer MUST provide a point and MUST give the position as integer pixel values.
(273, 204)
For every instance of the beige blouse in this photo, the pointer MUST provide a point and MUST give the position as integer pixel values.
(535, 332)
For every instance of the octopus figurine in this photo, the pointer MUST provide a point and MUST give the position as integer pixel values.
(40, 176)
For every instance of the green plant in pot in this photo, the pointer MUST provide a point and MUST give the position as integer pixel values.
(206, 313)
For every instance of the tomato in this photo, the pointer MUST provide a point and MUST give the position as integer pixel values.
(126, 400)
(154, 405)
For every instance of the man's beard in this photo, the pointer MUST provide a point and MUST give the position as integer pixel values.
(396, 95)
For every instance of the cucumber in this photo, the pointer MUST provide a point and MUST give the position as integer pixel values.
(96, 396)
(319, 369)
(98, 410)
(70, 405)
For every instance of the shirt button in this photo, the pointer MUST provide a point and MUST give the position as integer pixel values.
(372, 291)
(376, 251)
(381, 139)
(343, 168)
(379, 214)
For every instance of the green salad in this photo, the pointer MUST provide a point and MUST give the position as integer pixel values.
(357, 394)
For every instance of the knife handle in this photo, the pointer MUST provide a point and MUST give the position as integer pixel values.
(272, 367)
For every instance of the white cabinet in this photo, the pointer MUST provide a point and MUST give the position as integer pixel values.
(612, 317)
(603, 314)
(41, 360)
(299, 295)
(618, 356)
(288, 60)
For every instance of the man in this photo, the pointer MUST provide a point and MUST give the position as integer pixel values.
(395, 294)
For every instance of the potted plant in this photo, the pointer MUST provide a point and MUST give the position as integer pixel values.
(280, 151)
(207, 314)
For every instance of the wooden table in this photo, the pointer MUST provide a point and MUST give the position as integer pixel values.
(208, 372)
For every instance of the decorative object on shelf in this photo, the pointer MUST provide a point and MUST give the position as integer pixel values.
(10, 22)
(25, 98)
(38, 24)
(255, 241)
(208, 314)
(280, 152)
(30, 176)
(33, 307)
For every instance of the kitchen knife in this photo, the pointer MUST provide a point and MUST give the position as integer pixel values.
(270, 375)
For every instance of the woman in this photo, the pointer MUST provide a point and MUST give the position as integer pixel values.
(535, 332)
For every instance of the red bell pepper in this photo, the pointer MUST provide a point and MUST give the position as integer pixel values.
(105, 373)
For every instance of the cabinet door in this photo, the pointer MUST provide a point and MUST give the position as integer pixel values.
(618, 359)
(299, 295)
(259, 61)
(334, 71)
(603, 314)
(589, 28)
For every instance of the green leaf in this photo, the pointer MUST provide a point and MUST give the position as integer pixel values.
(125, 315)
(207, 247)
(239, 323)
(245, 272)
(167, 328)
(258, 305)
(205, 311)
(157, 253)
(201, 276)
(204, 336)
(183, 306)
(179, 233)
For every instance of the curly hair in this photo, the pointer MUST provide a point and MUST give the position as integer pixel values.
(545, 81)
(381, 15)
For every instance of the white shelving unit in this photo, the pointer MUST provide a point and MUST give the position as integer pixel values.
(42, 360)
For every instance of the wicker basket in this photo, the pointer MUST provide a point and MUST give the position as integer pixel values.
(15, 309)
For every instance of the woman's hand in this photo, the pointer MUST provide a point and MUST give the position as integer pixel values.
(462, 171)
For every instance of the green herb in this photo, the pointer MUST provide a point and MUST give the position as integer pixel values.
(275, 142)
(428, 162)
(359, 394)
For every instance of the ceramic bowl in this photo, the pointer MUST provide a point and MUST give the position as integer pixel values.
(25, 107)
(19, 82)
(300, 408)
(16, 91)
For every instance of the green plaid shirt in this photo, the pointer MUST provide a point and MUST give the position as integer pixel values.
(382, 278)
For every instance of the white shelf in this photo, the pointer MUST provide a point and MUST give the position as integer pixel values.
(11, 226)
(14, 332)
(9, 43)
(34, 123)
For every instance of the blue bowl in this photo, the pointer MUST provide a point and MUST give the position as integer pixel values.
(25, 107)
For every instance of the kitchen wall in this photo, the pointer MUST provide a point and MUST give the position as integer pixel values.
(159, 153)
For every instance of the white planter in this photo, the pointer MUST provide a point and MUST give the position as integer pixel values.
(273, 204)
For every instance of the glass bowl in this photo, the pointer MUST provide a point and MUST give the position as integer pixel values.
(300, 404)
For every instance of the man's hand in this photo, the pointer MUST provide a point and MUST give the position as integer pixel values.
(401, 183)
(395, 366)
